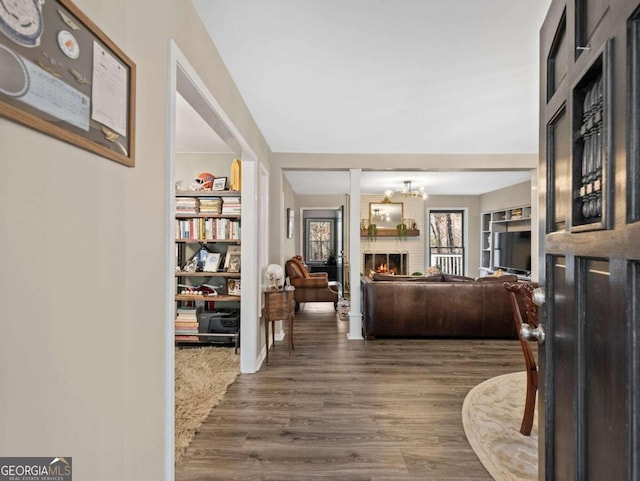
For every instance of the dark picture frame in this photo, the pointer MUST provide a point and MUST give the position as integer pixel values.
(290, 223)
(61, 75)
(219, 183)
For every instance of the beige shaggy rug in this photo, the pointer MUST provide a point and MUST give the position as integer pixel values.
(202, 377)
(491, 414)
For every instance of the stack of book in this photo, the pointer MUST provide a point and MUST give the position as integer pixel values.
(186, 324)
(210, 205)
(231, 206)
(187, 205)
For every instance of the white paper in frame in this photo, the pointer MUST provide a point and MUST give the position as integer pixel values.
(212, 262)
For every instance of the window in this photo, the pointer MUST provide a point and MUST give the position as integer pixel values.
(446, 240)
(320, 240)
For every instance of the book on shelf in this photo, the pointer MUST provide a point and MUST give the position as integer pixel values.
(187, 206)
(185, 325)
(181, 337)
(210, 205)
(188, 313)
(231, 205)
(207, 228)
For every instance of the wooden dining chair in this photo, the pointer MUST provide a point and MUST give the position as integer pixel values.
(520, 295)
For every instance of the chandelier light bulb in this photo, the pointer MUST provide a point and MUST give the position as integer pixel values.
(407, 191)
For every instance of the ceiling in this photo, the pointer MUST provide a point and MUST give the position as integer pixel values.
(377, 182)
(376, 76)
(193, 134)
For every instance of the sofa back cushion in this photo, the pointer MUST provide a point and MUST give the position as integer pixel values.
(503, 278)
(395, 278)
(455, 278)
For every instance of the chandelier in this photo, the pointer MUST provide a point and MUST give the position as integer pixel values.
(407, 191)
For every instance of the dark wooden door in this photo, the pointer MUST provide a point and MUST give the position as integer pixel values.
(590, 240)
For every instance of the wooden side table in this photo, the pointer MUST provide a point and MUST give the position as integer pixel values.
(279, 305)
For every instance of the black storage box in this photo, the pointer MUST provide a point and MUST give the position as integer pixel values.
(219, 321)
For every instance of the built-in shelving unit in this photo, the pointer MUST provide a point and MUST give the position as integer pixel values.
(209, 226)
(514, 219)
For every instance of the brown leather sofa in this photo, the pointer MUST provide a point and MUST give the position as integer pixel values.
(436, 306)
(310, 287)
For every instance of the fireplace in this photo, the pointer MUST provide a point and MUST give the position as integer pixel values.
(386, 262)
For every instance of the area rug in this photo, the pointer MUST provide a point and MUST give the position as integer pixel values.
(491, 415)
(202, 377)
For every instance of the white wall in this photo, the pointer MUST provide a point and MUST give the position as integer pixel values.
(83, 272)
(514, 196)
(290, 202)
(190, 165)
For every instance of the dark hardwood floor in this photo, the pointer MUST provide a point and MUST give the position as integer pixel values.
(349, 410)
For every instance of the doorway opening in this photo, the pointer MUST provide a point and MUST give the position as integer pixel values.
(323, 239)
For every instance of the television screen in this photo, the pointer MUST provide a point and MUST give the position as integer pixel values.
(512, 251)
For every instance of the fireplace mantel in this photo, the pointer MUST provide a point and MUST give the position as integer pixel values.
(390, 233)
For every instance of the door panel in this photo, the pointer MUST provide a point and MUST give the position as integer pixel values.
(590, 242)
(604, 408)
(589, 13)
(559, 171)
(563, 330)
(557, 62)
(633, 128)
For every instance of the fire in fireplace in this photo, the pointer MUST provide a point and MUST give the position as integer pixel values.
(386, 262)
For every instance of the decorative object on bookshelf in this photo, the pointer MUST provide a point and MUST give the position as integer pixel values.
(191, 265)
(233, 287)
(197, 262)
(232, 260)
(212, 262)
(201, 290)
(236, 175)
(219, 183)
(204, 181)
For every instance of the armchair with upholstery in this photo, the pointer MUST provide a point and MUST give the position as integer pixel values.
(310, 287)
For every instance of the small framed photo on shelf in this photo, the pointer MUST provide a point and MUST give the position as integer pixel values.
(233, 287)
(219, 183)
(191, 265)
(232, 260)
(212, 262)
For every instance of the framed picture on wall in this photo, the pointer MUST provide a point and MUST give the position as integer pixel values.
(290, 218)
(63, 76)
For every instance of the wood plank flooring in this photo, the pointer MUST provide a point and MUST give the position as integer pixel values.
(344, 410)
